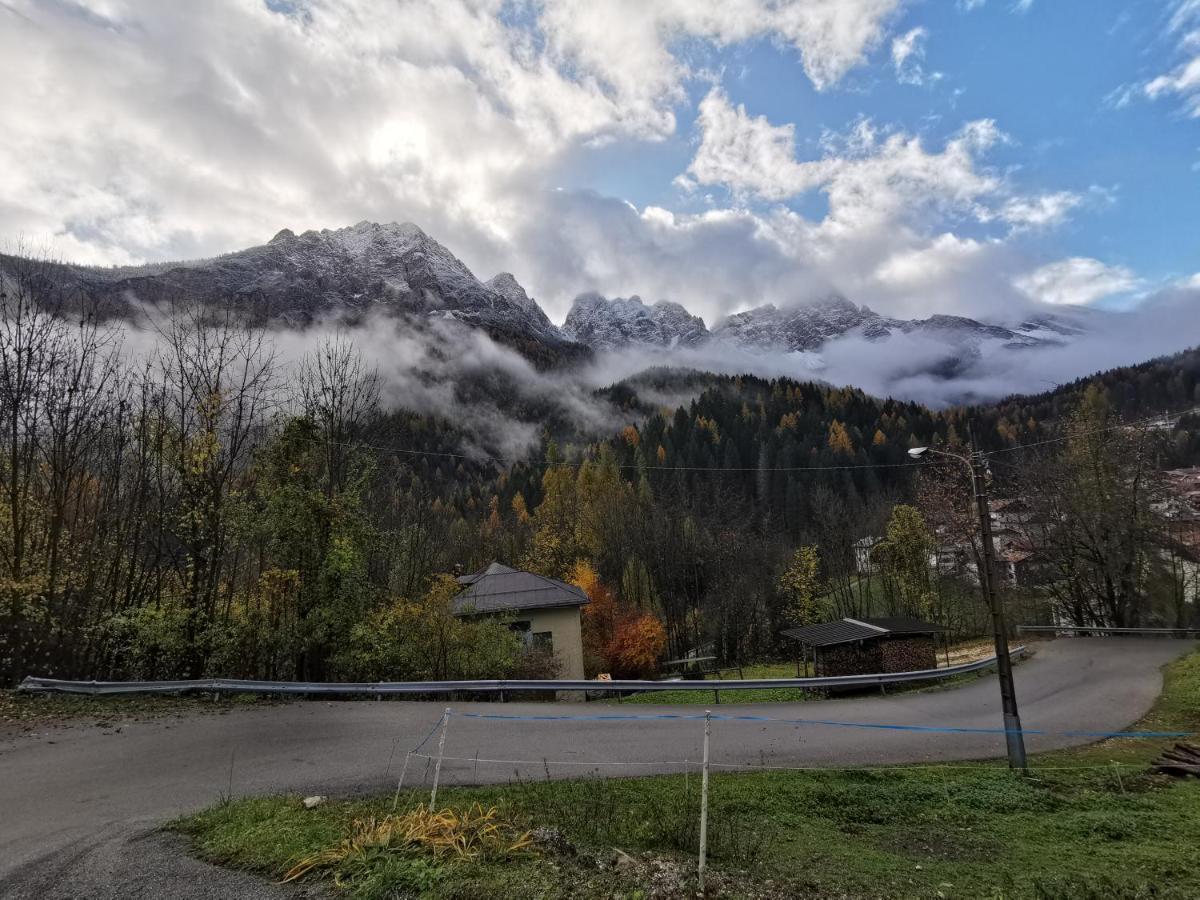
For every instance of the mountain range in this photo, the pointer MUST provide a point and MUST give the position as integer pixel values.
(295, 280)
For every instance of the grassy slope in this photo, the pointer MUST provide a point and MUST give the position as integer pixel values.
(966, 651)
(701, 697)
(968, 831)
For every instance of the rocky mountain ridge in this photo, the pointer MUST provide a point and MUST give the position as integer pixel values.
(296, 280)
(605, 324)
(619, 323)
(395, 268)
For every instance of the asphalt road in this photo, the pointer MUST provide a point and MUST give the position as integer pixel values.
(77, 803)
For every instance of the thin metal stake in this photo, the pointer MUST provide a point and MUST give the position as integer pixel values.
(232, 757)
(704, 802)
(388, 771)
(1117, 771)
(437, 768)
(400, 783)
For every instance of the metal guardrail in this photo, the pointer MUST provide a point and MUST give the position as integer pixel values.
(1100, 629)
(239, 686)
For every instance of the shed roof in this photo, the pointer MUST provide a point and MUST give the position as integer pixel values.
(845, 631)
(904, 625)
(498, 588)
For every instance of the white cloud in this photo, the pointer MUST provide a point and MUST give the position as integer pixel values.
(748, 154)
(1077, 281)
(141, 130)
(866, 175)
(136, 129)
(1183, 81)
(1019, 6)
(894, 205)
(908, 55)
(626, 43)
(1041, 210)
(946, 256)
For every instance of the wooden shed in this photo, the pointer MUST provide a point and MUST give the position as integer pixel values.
(867, 646)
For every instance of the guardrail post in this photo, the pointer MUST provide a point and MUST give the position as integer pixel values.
(704, 802)
(437, 769)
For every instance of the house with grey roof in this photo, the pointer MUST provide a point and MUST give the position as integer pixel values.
(545, 611)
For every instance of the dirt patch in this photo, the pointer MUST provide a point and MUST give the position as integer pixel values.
(938, 847)
(24, 714)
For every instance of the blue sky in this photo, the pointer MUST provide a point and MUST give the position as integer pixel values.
(984, 157)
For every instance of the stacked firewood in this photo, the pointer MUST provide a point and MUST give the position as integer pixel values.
(1181, 760)
(907, 654)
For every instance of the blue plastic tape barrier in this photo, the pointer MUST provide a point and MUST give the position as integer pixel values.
(931, 729)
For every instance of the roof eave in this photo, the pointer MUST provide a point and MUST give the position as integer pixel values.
(517, 609)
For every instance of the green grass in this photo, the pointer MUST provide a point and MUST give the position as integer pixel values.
(701, 697)
(957, 831)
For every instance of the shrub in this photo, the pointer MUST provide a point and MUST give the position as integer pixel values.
(424, 640)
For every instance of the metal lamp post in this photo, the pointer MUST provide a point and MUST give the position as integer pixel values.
(1014, 737)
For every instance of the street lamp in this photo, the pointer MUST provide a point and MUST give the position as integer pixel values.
(1014, 738)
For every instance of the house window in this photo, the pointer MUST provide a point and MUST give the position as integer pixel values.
(543, 640)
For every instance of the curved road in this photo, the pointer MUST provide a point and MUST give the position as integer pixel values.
(75, 802)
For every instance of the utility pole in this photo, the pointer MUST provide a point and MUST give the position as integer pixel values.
(1013, 736)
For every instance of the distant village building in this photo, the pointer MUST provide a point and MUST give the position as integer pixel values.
(864, 550)
(1016, 533)
(1019, 565)
(1012, 514)
(544, 611)
(952, 556)
(867, 646)
(1182, 503)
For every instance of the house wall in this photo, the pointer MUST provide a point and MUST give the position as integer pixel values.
(566, 635)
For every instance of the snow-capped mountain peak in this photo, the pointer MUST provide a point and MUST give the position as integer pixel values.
(509, 288)
(605, 324)
(395, 268)
(803, 327)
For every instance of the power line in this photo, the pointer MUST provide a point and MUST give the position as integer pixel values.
(1117, 427)
(543, 464)
(622, 466)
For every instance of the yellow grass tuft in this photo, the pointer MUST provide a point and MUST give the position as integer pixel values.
(467, 834)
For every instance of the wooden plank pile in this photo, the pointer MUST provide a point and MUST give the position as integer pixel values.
(1180, 761)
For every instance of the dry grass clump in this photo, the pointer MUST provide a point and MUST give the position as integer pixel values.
(467, 834)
